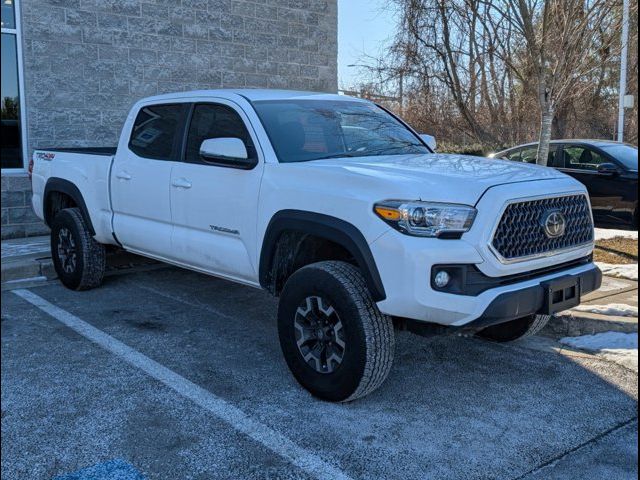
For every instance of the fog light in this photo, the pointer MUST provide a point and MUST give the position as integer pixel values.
(441, 279)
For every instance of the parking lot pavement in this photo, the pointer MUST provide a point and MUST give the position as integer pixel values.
(178, 375)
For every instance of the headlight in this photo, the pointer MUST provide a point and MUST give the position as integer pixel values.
(427, 219)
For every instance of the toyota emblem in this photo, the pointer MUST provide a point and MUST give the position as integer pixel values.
(554, 223)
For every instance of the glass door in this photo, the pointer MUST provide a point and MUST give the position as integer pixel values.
(11, 92)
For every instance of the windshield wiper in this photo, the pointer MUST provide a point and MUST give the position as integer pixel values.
(366, 153)
(334, 155)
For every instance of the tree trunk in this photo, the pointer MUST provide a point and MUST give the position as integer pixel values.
(559, 125)
(545, 134)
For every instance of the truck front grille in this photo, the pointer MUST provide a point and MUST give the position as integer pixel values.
(521, 232)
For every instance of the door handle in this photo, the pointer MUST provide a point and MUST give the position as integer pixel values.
(181, 183)
(123, 176)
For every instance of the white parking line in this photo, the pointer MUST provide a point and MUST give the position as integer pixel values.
(308, 461)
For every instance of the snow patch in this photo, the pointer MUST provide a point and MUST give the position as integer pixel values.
(606, 233)
(616, 347)
(629, 271)
(607, 342)
(610, 284)
(616, 309)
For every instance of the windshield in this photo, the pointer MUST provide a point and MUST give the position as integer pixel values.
(304, 130)
(625, 154)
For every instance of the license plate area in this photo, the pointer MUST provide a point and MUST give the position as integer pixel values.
(561, 294)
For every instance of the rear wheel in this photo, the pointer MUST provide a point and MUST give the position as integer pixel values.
(78, 259)
(336, 342)
(515, 329)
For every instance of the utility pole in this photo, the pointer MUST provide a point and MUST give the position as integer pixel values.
(623, 68)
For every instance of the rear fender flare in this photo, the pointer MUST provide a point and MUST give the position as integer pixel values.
(55, 184)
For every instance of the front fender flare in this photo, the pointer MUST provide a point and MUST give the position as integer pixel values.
(323, 226)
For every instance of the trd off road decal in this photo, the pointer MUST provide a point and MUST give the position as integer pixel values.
(45, 156)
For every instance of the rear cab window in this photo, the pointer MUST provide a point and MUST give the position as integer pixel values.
(157, 131)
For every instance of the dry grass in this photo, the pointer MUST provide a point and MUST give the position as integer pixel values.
(617, 250)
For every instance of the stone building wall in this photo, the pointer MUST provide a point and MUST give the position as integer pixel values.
(87, 61)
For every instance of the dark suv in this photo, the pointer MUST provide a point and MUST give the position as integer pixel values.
(608, 169)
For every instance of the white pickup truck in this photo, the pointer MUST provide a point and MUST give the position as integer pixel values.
(335, 206)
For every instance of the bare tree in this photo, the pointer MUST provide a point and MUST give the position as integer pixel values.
(561, 42)
(503, 71)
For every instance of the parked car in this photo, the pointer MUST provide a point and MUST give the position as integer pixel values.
(608, 169)
(335, 206)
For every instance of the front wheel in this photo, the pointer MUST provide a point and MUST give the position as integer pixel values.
(336, 342)
(515, 329)
(79, 260)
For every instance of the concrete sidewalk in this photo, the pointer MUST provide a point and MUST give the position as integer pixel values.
(27, 261)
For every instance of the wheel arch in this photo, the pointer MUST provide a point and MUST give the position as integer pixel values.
(329, 228)
(57, 185)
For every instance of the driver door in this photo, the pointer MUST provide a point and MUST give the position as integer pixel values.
(214, 207)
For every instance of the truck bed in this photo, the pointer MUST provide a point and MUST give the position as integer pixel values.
(80, 171)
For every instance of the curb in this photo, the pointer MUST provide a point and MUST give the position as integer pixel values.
(27, 267)
(39, 267)
(577, 324)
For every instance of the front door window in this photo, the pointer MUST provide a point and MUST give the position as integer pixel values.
(582, 158)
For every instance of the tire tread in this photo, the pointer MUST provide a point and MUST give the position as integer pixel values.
(94, 258)
(378, 328)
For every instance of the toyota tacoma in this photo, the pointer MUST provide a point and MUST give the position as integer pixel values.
(334, 205)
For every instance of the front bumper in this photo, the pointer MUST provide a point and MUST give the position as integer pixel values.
(405, 265)
(531, 300)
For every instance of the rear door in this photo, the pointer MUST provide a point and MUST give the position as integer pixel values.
(214, 207)
(141, 177)
(581, 162)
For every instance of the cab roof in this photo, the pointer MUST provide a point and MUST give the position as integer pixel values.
(256, 94)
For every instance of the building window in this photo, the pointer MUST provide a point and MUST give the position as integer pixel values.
(11, 94)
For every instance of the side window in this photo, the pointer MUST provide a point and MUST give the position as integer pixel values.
(582, 158)
(529, 154)
(156, 131)
(215, 121)
(515, 155)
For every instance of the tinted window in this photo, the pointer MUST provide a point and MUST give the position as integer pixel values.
(513, 155)
(529, 154)
(582, 158)
(156, 131)
(11, 153)
(304, 130)
(215, 121)
(625, 154)
(8, 14)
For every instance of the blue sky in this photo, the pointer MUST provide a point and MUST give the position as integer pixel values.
(364, 27)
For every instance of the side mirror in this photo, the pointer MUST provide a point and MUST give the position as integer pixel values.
(227, 152)
(430, 140)
(608, 169)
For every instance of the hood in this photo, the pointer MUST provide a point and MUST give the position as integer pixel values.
(447, 177)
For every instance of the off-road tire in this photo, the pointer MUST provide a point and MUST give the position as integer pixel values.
(90, 255)
(515, 329)
(369, 335)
